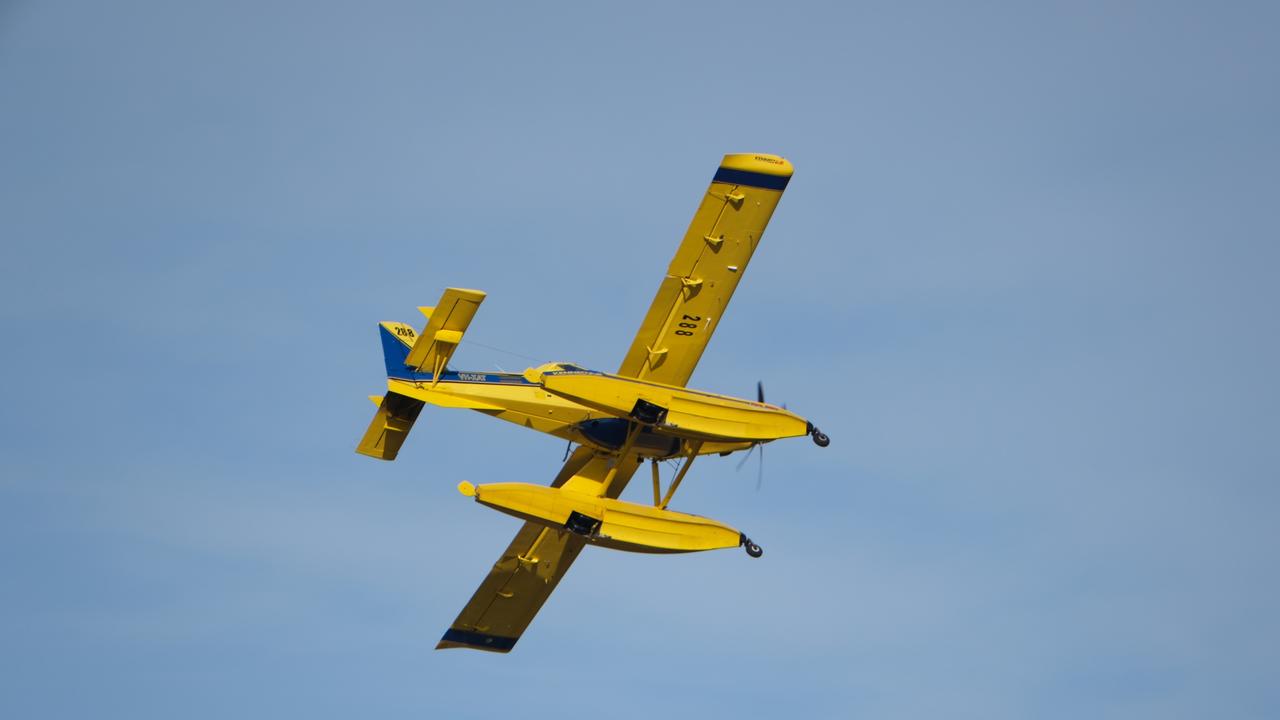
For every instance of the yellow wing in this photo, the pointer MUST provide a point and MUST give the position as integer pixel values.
(695, 291)
(513, 592)
(707, 267)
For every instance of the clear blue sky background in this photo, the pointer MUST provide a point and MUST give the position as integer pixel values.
(1025, 277)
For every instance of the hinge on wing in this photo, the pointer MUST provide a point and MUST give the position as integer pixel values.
(692, 284)
(732, 196)
(531, 562)
(656, 356)
(714, 242)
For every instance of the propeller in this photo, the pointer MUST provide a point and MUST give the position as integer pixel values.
(760, 465)
(760, 470)
(819, 438)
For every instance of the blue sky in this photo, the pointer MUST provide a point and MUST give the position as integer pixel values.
(1024, 277)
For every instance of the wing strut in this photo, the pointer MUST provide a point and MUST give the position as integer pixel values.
(657, 483)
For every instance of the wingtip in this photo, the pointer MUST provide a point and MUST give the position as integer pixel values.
(472, 640)
(442, 645)
(758, 163)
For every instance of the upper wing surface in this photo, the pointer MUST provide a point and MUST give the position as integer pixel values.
(707, 268)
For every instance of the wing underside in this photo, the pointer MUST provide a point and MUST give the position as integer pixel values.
(526, 574)
(513, 592)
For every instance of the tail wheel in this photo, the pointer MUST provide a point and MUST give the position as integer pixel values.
(753, 549)
(820, 438)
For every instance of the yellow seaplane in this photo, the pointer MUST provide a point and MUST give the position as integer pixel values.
(618, 420)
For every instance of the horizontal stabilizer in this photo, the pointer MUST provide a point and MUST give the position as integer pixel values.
(446, 323)
(390, 426)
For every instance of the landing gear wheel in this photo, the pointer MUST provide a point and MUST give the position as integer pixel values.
(753, 549)
(820, 438)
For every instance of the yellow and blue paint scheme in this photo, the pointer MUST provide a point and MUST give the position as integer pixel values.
(642, 412)
(579, 405)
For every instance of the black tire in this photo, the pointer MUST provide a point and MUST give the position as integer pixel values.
(820, 438)
(753, 549)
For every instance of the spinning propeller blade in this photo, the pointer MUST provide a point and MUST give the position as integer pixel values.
(760, 466)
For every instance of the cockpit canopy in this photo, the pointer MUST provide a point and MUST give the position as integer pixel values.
(559, 367)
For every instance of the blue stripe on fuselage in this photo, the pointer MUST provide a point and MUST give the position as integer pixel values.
(395, 353)
(405, 373)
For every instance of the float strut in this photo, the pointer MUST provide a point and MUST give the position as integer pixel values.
(633, 432)
(694, 447)
(657, 486)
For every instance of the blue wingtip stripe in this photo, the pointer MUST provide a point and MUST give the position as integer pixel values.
(478, 640)
(754, 179)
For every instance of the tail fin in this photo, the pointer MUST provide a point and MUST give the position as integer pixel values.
(396, 413)
(397, 341)
(407, 354)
